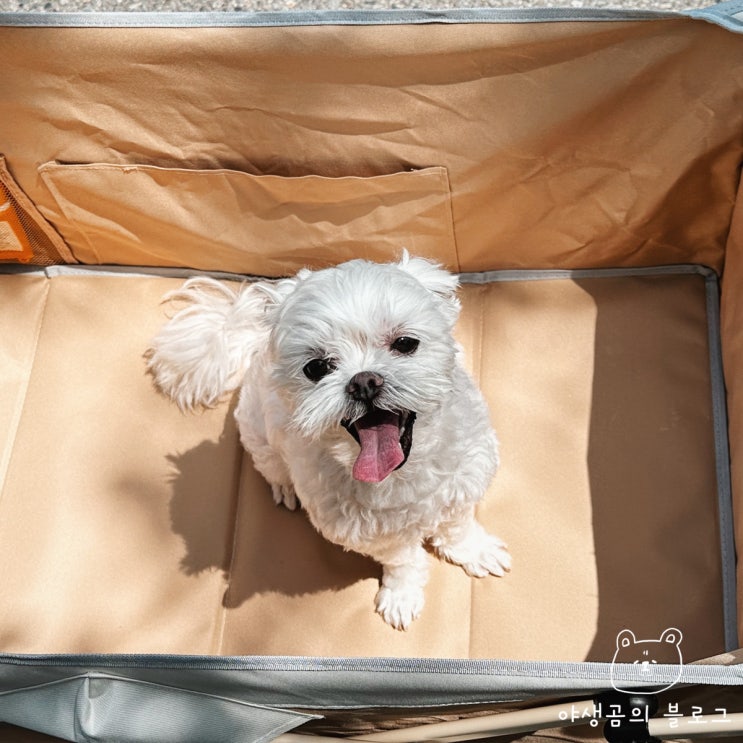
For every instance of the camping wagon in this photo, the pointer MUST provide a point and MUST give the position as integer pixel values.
(579, 168)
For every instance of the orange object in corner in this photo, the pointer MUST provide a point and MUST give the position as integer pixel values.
(14, 243)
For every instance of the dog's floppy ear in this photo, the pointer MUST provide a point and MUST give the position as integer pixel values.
(273, 293)
(203, 351)
(436, 279)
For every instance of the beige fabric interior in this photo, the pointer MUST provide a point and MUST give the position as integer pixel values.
(564, 144)
(128, 526)
(267, 224)
(485, 146)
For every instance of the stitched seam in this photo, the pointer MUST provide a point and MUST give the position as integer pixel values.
(450, 217)
(477, 371)
(21, 400)
(47, 176)
(221, 621)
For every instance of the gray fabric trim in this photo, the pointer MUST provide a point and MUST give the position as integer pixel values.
(124, 272)
(483, 277)
(547, 274)
(729, 15)
(327, 18)
(722, 457)
(101, 707)
(355, 683)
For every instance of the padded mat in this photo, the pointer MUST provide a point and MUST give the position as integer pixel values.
(128, 526)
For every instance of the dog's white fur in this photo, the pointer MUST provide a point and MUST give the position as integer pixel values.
(261, 337)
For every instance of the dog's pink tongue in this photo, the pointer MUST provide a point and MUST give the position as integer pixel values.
(381, 453)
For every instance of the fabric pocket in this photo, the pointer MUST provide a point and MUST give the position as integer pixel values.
(258, 224)
(25, 236)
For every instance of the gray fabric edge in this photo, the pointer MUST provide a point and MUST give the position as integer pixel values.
(79, 708)
(321, 684)
(123, 271)
(722, 462)
(217, 19)
(482, 277)
(548, 274)
(729, 15)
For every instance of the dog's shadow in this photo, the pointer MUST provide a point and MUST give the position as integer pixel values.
(222, 509)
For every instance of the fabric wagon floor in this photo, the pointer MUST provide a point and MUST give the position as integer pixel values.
(128, 526)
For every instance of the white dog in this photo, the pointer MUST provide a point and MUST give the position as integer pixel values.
(353, 399)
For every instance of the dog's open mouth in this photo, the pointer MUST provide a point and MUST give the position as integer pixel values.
(385, 438)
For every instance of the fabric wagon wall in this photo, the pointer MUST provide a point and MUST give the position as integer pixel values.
(486, 146)
(483, 145)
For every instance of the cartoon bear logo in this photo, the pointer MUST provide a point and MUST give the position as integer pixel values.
(637, 663)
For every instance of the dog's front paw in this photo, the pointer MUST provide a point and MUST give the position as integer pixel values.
(492, 558)
(399, 606)
(483, 554)
(285, 495)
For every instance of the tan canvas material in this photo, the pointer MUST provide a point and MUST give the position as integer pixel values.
(129, 527)
(290, 222)
(565, 145)
(160, 520)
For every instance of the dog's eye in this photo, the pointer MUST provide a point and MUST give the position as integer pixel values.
(316, 369)
(405, 345)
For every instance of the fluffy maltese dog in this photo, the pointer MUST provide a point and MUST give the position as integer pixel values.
(354, 402)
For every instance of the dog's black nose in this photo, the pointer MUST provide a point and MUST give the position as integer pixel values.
(365, 386)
